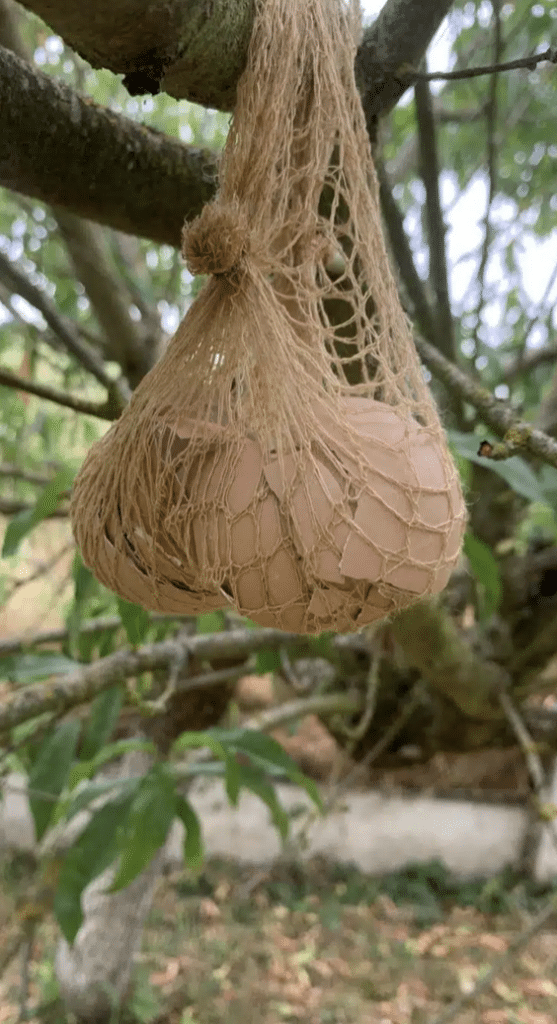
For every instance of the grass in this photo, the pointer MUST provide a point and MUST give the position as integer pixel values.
(323, 944)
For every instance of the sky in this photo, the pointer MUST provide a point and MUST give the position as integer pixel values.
(464, 219)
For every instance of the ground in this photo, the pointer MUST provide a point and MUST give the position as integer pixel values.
(322, 945)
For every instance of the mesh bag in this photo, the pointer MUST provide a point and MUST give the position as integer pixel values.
(285, 454)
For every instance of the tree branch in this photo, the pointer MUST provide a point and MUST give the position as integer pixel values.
(16, 645)
(102, 411)
(491, 123)
(13, 508)
(399, 36)
(65, 692)
(431, 642)
(517, 435)
(67, 151)
(400, 246)
(17, 473)
(127, 344)
(118, 391)
(429, 170)
(530, 63)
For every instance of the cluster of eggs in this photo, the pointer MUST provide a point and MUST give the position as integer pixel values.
(330, 537)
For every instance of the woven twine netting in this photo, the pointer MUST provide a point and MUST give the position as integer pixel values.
(284, 455)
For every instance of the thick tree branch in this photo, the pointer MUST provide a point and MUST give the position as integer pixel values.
(67, 151)
(432, 643)
(65, 692)
(101, 411)
(70, 152)
(398, 38)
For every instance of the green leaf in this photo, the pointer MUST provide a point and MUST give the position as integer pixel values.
(253, 778)
(135, 620)
(50, 773)
(486, 571)
(148, 822)
(87, 769)
(46, 503)
(88, 792)
(211, 622)
(103, 715)
(268, 754)
(232, 781)
(267, 661)
(91, 854)
(194, 740)
(515, 470)
(27, 668)
(194, 853)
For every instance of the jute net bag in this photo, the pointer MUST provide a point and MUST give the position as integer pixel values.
(285, 454)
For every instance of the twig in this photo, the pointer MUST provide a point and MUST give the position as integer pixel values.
(518, 436)
(527, 744)
(9, 507)
(42, 569)
(491, 120)
(15, 279)
(520, 940)
(103, 411)
(30, 928)
(548, 354)
(19, 644)
(356, 732)
(64, 692)
(530, 63)
(16, 473)
(414, 699)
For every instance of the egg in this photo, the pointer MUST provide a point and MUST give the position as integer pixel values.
(332, 535)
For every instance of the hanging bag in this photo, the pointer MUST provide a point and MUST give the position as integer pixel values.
(284, 455)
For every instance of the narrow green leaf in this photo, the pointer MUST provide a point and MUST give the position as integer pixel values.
(253, 779)
(104, 714)
(46, 503)
(109, 752)
(147, 825)
(268, 753)
(50, 773)
(29, 668)
(195, 740)
(517, 473)
(486, 572)
(194, 853)
(232, 780)
(211, 622)
(135, 620)
(91, 854)
(88, 792)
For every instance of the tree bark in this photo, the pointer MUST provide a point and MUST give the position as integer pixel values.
(94, 974)
(67, 151)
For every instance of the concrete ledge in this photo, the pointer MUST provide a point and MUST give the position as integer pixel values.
(375, 832)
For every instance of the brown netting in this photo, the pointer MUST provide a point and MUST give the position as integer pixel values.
(285, 454)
